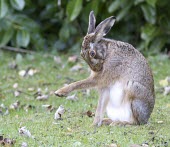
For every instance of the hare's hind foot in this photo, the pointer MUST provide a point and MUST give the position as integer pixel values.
(120, 123)
(106, 121)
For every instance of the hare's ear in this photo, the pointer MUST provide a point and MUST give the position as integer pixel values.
(92, 22)
(104, 27)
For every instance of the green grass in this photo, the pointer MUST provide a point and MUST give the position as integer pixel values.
(75, 128)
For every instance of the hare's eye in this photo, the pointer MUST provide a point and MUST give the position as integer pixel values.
(92, 53)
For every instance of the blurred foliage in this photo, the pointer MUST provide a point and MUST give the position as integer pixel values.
(61, 24)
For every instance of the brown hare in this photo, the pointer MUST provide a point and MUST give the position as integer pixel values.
(120, 73)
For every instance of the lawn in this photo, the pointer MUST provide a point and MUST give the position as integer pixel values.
(75, 127)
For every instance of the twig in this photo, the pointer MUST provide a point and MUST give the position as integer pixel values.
(17, 49)
(152, 136)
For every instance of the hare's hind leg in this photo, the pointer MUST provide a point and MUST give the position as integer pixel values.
(141, 111)
(121, 123)
(106, 121)
(142, 102)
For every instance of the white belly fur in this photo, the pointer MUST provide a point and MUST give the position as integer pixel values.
(118, 109)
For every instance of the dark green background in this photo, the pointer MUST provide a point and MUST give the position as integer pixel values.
(61, 24)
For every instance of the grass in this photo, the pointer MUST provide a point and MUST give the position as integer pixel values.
(74, 129)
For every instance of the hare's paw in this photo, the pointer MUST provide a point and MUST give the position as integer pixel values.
(97, 122)
(61, 92)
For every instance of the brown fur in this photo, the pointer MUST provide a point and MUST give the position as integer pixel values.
(115, 61)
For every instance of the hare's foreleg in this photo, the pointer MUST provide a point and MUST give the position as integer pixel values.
(83, 84)
(101, 107)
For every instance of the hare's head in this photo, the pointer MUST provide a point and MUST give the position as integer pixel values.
(93, 49)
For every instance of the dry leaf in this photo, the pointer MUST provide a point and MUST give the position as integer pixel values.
(28, 72)
(31, 72)
(73, 59)
(48, 107)
(57, 59)
(168, 79)
(17, 93)
(72, 97)
(113, 145)
(15, 85)
(77, 67)
(3, 110)
(69, 130)
(24, 132)
(15, 105)
(160, 122)
(60, 111)
(6, 141)
(135, 145)
(168, 105)
(42, 97)
(145, 145)
(167, 90)
(89, 113)
(39, 90)
(27, 107)
(24, 144)
(13, 65)
(31, 89)
(77, 143)
(22, 73)
(163, 82)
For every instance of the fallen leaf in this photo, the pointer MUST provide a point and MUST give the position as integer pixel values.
(24, 132)
(28, 107)
(3, 110)
(17, 93)
(48, 107)
(163, 82)
(168, 79)
(24, 144)
(145, 145)
(31, 72)
(77, 67)
(60, 111)
(46, 90)
(72, 97)
(28, 72)
(77, 143)
(42, 97)
(57, 59)
(15, 85)
(160, 122)
(22, 73)
(39, 90)
(15, 105)
(13, 65)
(69, 129)
(113, 145)
(6, 141)
(135, 145)
(168, 105)
(167, 90)
(31, 89)
(73, 59)
(89, 113)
